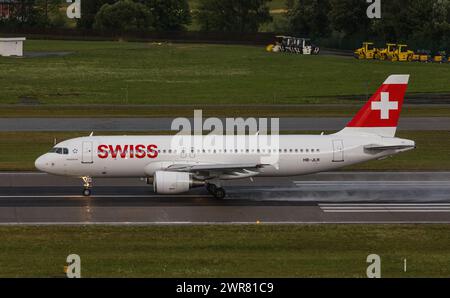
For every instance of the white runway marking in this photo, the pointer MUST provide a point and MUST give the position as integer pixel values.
(372, 183)
(386, 208)
(101, 196)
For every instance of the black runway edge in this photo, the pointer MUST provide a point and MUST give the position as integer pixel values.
(265, 287)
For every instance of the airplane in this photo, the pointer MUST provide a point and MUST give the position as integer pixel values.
(173, 168)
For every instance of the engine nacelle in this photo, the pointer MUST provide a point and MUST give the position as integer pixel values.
(174, 182)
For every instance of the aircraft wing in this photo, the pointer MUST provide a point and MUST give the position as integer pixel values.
(211, 167)
(223, 171)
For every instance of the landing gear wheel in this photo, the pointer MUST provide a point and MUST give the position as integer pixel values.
(220, 193)
(87, 183)
(212, 188)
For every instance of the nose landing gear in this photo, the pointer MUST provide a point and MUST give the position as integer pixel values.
(217, 192)
(87, 184)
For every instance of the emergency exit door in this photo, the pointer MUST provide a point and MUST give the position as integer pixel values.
(88, 153)
(338, 150)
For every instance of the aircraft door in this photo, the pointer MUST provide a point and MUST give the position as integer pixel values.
(186, 153)
(88, 153)
(192, 153)
(338, 151)
(183, 153)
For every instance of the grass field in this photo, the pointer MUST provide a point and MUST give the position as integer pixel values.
(146, 73)
(18, 150)
(226, 251)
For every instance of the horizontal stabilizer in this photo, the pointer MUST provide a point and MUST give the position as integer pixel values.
(384, 147)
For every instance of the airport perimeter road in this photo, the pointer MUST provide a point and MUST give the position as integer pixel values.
(337, 197)
(164, 124)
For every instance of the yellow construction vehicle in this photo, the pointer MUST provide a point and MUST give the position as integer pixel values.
(386, 53)
(402, 54)
(438, 59)
(367, 51)
(424, 56)
(269, 48)
(441, 57)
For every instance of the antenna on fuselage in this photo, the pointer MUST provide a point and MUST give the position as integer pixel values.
(92, 133)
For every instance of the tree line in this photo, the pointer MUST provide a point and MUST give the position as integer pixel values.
(339, 23)
(421, 23)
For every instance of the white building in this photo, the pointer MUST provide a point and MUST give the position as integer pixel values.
(11, 46)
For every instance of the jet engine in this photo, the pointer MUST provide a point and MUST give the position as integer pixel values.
(174, 182)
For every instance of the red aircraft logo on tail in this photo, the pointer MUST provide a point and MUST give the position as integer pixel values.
(384, 107)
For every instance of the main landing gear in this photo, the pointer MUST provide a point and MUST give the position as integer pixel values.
(87, 184)
(217, 192)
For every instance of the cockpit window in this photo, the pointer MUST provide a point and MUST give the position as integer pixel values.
(59, 150)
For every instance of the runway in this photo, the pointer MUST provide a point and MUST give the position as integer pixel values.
(336, 197)
(164, 124)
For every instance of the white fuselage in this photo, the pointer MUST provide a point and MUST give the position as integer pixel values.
(290, 155)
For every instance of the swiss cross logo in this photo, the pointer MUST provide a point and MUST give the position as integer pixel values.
(384, 106)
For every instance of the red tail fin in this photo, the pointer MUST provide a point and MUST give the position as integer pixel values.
(381, 113)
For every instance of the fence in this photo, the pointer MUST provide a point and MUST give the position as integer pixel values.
(179, 36)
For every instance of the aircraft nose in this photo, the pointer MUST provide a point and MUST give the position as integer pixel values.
(40, 163)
